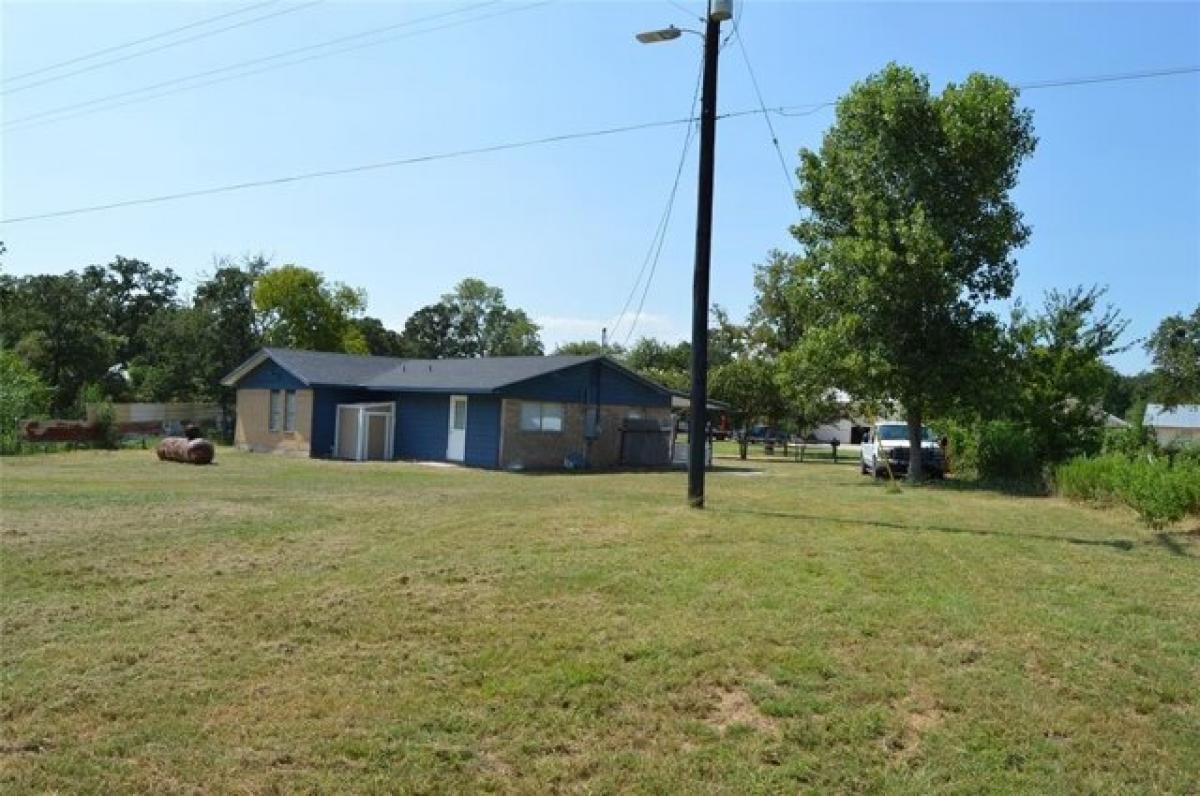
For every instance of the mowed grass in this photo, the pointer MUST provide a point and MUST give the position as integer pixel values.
(283, 625)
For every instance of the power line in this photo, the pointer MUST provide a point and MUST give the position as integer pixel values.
(787, 175)
(1113, 78)
(656, 241)
(187, 40)
(136, 42)
(63, 112)
(691, 14)
(785, 110)
(459, 153)
(1146, 74)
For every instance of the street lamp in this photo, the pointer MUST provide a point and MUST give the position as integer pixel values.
(718, 12)
(654, 36)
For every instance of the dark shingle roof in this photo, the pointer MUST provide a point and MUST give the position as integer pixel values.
(354, 370)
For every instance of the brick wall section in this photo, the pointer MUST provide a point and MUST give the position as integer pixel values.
(253, 421)
(540, 450)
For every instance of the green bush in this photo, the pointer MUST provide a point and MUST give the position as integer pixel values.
(106, 425)
(1132, 441)
(1160, 493)
(23, 396)
(1006, 451)
(961, 456)
(1095, 479)
(1159, 490)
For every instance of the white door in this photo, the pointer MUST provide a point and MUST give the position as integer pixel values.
(377, 436)
(456, 444)
(347, 432)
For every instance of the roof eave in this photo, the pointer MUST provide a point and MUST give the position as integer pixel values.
(256, 359)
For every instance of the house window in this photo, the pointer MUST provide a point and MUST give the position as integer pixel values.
(283, 410)
(289, 410)
(276, 421)
(541, 417)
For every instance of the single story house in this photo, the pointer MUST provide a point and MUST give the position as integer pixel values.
(1180, 425)
(495, 412)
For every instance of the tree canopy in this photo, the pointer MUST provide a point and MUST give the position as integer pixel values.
(910, 230)
(473, 320)
(302, 310)
(1175, 350)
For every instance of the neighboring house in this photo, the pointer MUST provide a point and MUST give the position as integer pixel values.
(1180, 425)
(497, 412)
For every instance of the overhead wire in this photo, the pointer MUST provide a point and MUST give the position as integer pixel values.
(787, 175)
(784, 110)
(107, 102)
(656, 241)
(135, 42)
(165, 46)
(385, 164)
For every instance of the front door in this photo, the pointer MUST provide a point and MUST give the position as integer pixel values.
(456, 444)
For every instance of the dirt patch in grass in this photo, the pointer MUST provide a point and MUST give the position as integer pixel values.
(919, 715)
(733, 706)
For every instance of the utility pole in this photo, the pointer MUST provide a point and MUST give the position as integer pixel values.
(718, 11)
(698, 404)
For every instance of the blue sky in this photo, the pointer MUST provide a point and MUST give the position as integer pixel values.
(1112, 194)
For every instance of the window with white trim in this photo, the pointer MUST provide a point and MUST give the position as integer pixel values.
(289, 410)
(542, 416)
(283, 411)
(275, 422)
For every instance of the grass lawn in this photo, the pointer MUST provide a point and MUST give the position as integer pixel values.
(283, 625)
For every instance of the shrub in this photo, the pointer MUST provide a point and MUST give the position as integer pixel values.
(1091, 478)
(23, 396)
(1160, 493)
(960, 448)
(1006, 451)
(1132, 441)
(106, 426)
(1159, 490)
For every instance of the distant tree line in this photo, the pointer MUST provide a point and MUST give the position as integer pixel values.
(126, 331)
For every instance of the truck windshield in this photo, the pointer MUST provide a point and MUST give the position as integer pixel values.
(898, 433)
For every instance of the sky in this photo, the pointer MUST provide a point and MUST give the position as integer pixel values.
(1112, 192)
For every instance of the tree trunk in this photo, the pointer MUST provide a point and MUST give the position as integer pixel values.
(915, 465)
(743, 445)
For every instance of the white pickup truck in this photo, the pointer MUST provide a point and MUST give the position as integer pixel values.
(887, 441)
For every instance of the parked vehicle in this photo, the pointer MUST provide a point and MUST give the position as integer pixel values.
(886, 444)
(756, 434)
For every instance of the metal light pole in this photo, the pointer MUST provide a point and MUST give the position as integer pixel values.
(718, 12)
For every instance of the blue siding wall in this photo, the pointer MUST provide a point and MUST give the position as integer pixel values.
(591, 382)
(483, 431)
(325, 401)
(570, 385)
(421, 425)
(269, 376)
(617, 387)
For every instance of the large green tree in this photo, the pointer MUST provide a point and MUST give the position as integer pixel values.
(302, 310)
(473, 320)
(23, 396)
(750, 388)
(1057, 378)
(381, 341)
(54, 323)
(586, 348)
(186, 350)
(128, 293)
(909, 231)
(1175, 350)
